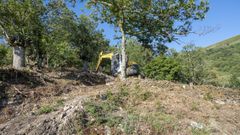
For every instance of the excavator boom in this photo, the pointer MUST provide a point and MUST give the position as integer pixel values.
(132, 67)
(103, 56)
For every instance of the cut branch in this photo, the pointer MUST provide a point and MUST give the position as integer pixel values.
(102, 2)
(4, 31)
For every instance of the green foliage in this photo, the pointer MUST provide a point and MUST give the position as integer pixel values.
(45, 109)
(162, 123)
(51, 32)
(196, 131)
(223, 59)
(234, 81)
(193, 66)
(102, 111)
(194, 106)
(88, 40)
(78, 41)
(137, 53)
(62, 55)
(20, 21)
(113, 110)
(208, 96)
(227, 42)
(51, 107)
(5, 55)
(130, 123)
(163, 68)
(149, 21)
(144, 96)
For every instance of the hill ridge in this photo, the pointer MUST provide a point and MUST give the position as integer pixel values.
(228, 41)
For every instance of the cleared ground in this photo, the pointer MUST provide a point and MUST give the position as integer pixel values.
(73, 102)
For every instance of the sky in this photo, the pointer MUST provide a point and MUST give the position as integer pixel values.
(223, 17)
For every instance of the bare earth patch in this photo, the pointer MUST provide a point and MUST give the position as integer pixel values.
(59, 106)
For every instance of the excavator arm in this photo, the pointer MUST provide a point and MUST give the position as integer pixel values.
(103, 56)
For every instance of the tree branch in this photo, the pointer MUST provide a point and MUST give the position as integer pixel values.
(4, 31)
(102, 2)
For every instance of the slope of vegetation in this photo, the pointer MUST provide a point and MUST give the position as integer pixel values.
(223, 59)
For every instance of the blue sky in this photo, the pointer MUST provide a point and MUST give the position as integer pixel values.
(223, 16)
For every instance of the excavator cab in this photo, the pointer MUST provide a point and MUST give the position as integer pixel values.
(115, 58)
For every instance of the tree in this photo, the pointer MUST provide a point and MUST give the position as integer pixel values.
(20, 23)
(193, 66)
(88, 40)
(137, 53)
(164, 21)
(70, 40)
(5, 55)
(60, 26)
(152, 22)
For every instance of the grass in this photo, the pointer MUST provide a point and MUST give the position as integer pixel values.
(196, 131)
(223, 60)
(145, 95)
(208, 96)
(227, 41)
(159, 107)
(195, 106)
(160, 122)
(51, 107)
(116, 112)
(46, 109)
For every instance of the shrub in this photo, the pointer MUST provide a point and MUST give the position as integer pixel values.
(163, 68)
(45, 109)
(208, 96)
(234, 81)
(5, 55)
(192, 65)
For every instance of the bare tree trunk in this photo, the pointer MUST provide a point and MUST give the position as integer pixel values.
(85, 66)
(123, 53)
(18, 57)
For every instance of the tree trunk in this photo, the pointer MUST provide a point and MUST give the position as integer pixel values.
(18, 57)
(123, 54)
(85, 66)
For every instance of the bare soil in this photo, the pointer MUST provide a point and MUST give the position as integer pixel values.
(51, 102)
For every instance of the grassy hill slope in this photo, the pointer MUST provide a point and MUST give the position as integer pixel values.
(223, 58)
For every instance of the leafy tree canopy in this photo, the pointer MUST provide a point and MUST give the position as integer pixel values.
(152, 22)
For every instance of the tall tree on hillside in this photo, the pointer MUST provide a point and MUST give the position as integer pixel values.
(153, 22)
(193, 65)
(88, 40)
(20, 25)
(60, 24)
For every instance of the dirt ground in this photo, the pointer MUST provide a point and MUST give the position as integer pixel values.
(46, 103)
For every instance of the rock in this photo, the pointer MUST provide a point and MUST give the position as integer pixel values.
(219, 102)
(107, 130)
(196, 125)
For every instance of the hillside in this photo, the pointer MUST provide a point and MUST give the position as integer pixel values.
(75, 102)
(223, 59)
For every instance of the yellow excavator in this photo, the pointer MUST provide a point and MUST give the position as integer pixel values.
(115, 58)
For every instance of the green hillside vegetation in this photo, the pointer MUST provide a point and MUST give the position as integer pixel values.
(223, 59)
(230, 41)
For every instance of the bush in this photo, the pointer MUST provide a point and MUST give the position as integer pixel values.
(5, 55)
(137, 53)
(234, 81)
(192, 65)
(45, 109)
(163, 68)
